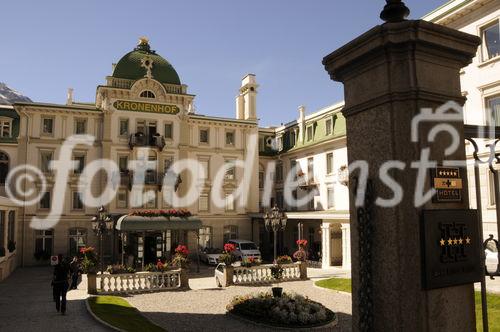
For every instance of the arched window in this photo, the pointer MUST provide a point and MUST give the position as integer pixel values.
(4, 166)
(147, 94)
(77, 240)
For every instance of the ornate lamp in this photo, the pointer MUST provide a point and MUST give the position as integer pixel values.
(101, 224)
(275, 221)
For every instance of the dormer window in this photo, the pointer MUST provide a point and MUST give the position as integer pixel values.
(147, 94)
(5, 127)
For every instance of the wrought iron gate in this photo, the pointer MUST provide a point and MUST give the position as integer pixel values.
(472, 133)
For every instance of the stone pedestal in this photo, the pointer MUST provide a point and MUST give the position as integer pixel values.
(91, 283)
(184, 279)
(303, 270)
(390, 73)
(228, 276)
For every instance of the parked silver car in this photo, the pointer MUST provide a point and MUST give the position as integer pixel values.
(210, 256)
(245, 249)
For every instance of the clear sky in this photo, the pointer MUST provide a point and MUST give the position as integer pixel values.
(49, 46)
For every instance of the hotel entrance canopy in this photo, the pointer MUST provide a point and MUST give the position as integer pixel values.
(127, 223)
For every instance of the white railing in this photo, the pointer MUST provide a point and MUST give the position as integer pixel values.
(138, 282)
(262, 274)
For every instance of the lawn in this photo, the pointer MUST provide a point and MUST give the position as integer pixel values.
(119, 313)
(344, 285)
(340, 284)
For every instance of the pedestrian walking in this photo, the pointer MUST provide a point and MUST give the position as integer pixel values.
(60, 284)
(75, 270)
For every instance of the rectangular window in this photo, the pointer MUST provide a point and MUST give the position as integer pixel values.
(330, 197)
(491, 41)
(151, 204)
(229, 202)
(279, 199)
(77, 240)
(77, 203)
(124, 127)
(328, 126)
(294, 168)
(45, 201)
(205, 239)
(47, 126)
(5, 128)
(261, 144)
(292, 138)
(309, 133)
(12, 226)
(204, 136)
(279, 171)
(80, 159)
(230, 138)
(493, 106)
(310, 169)
(167, 163)
(169, 130)
(203, 202)
(329, 163)
(261, 179)
(122, 199)
(230, 170)
(45, 159)
(43, 241)
(203, 170)
(279, 143)
(123, 164)
(80, 126)
(230, 232)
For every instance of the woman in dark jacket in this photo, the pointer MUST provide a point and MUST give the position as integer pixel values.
(60, 284)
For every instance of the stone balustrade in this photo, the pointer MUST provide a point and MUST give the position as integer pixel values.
(129, 283)
(261, 274)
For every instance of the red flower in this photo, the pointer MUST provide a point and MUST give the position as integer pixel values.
(182, 250)
(302, 243)
(229, 247)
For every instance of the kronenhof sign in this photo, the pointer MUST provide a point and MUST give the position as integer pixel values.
(124, 105)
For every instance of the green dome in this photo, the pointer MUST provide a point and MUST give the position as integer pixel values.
(131, 65)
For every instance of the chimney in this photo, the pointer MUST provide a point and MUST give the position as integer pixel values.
(301, 122)
(69, 98)
(246, 101)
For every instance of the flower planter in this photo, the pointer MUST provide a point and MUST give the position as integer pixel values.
(277, 291)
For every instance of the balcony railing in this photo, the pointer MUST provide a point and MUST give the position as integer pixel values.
(142, 140)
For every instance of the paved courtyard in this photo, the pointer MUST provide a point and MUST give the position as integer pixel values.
(26, 305)
(204, 307)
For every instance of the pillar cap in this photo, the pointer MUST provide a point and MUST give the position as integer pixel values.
(394, 11)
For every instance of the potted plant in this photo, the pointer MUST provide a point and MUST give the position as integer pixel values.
(285, 259)
(277, 273)
(227, 256)
(89, 260)
(11, 246)
(181, 257)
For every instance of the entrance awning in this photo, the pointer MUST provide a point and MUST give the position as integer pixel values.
(138, 223)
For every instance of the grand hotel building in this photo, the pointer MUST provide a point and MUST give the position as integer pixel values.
(144, 104)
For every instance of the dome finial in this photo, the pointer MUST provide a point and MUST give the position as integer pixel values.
(394, 11)
(143, 40)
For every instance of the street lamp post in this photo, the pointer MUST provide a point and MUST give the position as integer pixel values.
(101, 224)
(275, 220)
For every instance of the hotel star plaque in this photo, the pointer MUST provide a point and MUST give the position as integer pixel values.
(451, 248)
(448, 184)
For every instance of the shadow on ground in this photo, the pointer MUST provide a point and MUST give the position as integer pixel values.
(181, 322)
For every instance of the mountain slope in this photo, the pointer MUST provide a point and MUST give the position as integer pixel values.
(9, 96)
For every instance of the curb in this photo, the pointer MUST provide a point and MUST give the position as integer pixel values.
(87, 305)
(329, 325)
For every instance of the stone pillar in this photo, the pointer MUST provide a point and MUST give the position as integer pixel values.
(91, 283)
(326, 253)
(390, 73)
(346, 246)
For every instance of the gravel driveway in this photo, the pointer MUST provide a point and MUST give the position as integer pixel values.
(204, 307)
